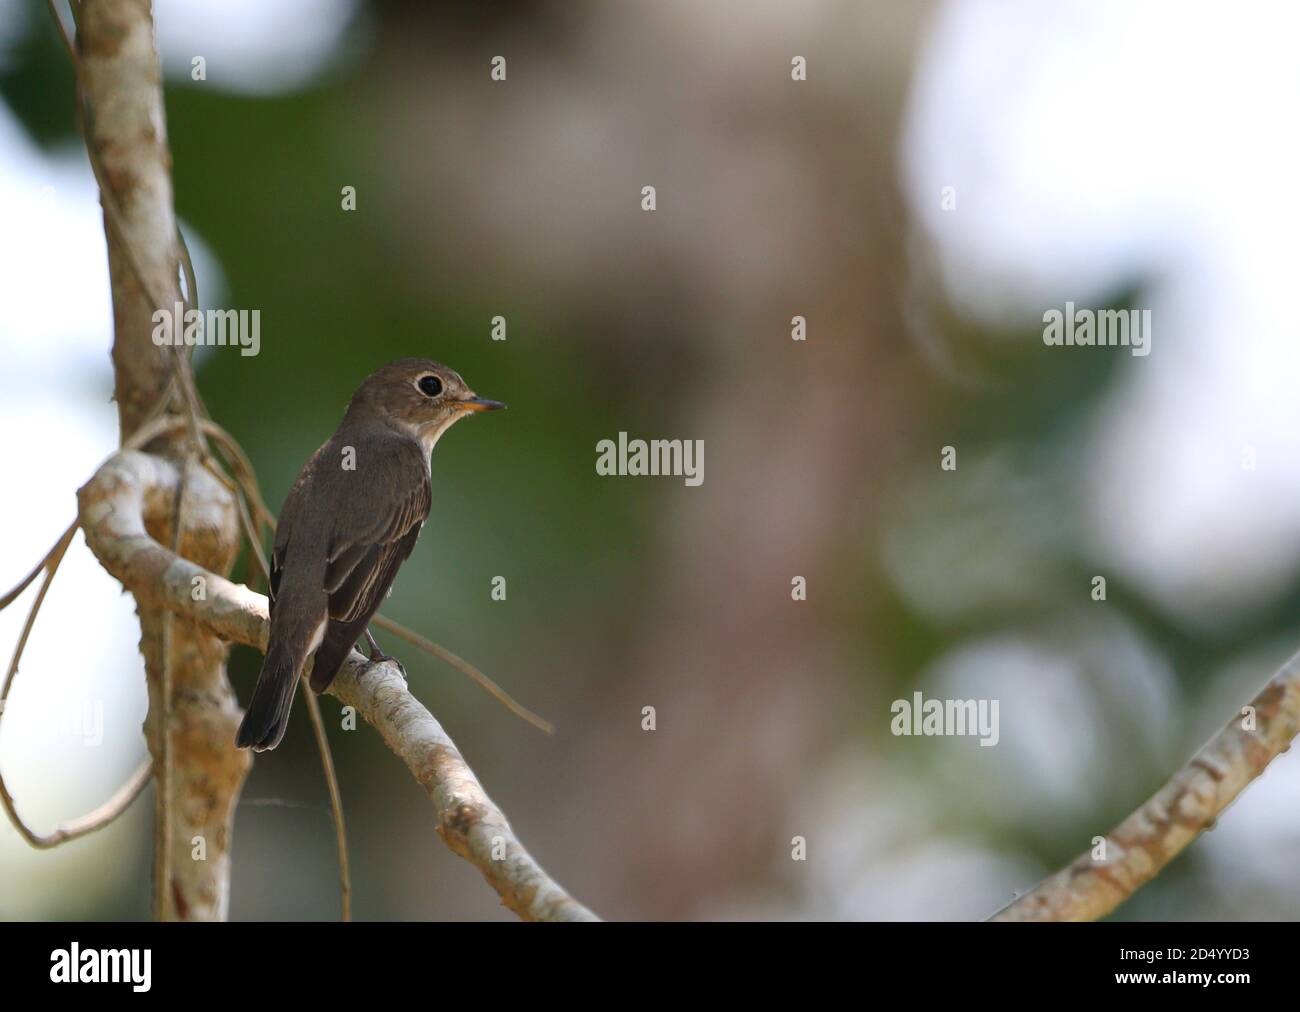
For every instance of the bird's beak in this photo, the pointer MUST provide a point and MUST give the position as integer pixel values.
(481, 404)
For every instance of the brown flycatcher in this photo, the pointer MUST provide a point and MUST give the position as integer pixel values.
(348, 523)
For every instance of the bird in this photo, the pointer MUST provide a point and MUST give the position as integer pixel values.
(349, 521)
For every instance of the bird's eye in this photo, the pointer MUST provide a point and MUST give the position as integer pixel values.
(430, 386)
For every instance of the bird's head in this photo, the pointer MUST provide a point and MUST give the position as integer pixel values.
(418, 396)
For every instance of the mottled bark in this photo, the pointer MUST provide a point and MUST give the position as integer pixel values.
(127, 127)
(1140, 846)
(199, 786)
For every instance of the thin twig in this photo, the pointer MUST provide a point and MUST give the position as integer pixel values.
(464, 666)
(123, 797)
(148, 431)
(318, 728)
(59, 546)
(106, 813)
(51, 566)
(336, 797)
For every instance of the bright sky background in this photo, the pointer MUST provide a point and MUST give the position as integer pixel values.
(1098, 142)
(1092, 144)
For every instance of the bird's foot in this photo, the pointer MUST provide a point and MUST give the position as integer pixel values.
(379, 657)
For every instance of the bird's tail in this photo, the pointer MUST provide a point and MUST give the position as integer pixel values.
(268, 711)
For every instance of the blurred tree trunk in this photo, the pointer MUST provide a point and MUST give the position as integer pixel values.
(197, 770)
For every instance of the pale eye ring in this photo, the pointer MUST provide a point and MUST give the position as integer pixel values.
(429, 385)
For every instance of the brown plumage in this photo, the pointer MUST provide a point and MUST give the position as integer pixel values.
(349, 522)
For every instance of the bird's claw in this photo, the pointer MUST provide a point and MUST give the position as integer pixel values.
(377, 655)
(380, 658)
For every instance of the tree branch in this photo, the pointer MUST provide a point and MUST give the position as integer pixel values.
(1140, 846)
(126, 135)
(117, 507)
(120, 109)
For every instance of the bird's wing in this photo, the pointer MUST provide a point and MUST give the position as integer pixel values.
(362, 566)
(273, 585)
(285, 526)
(351, 612)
